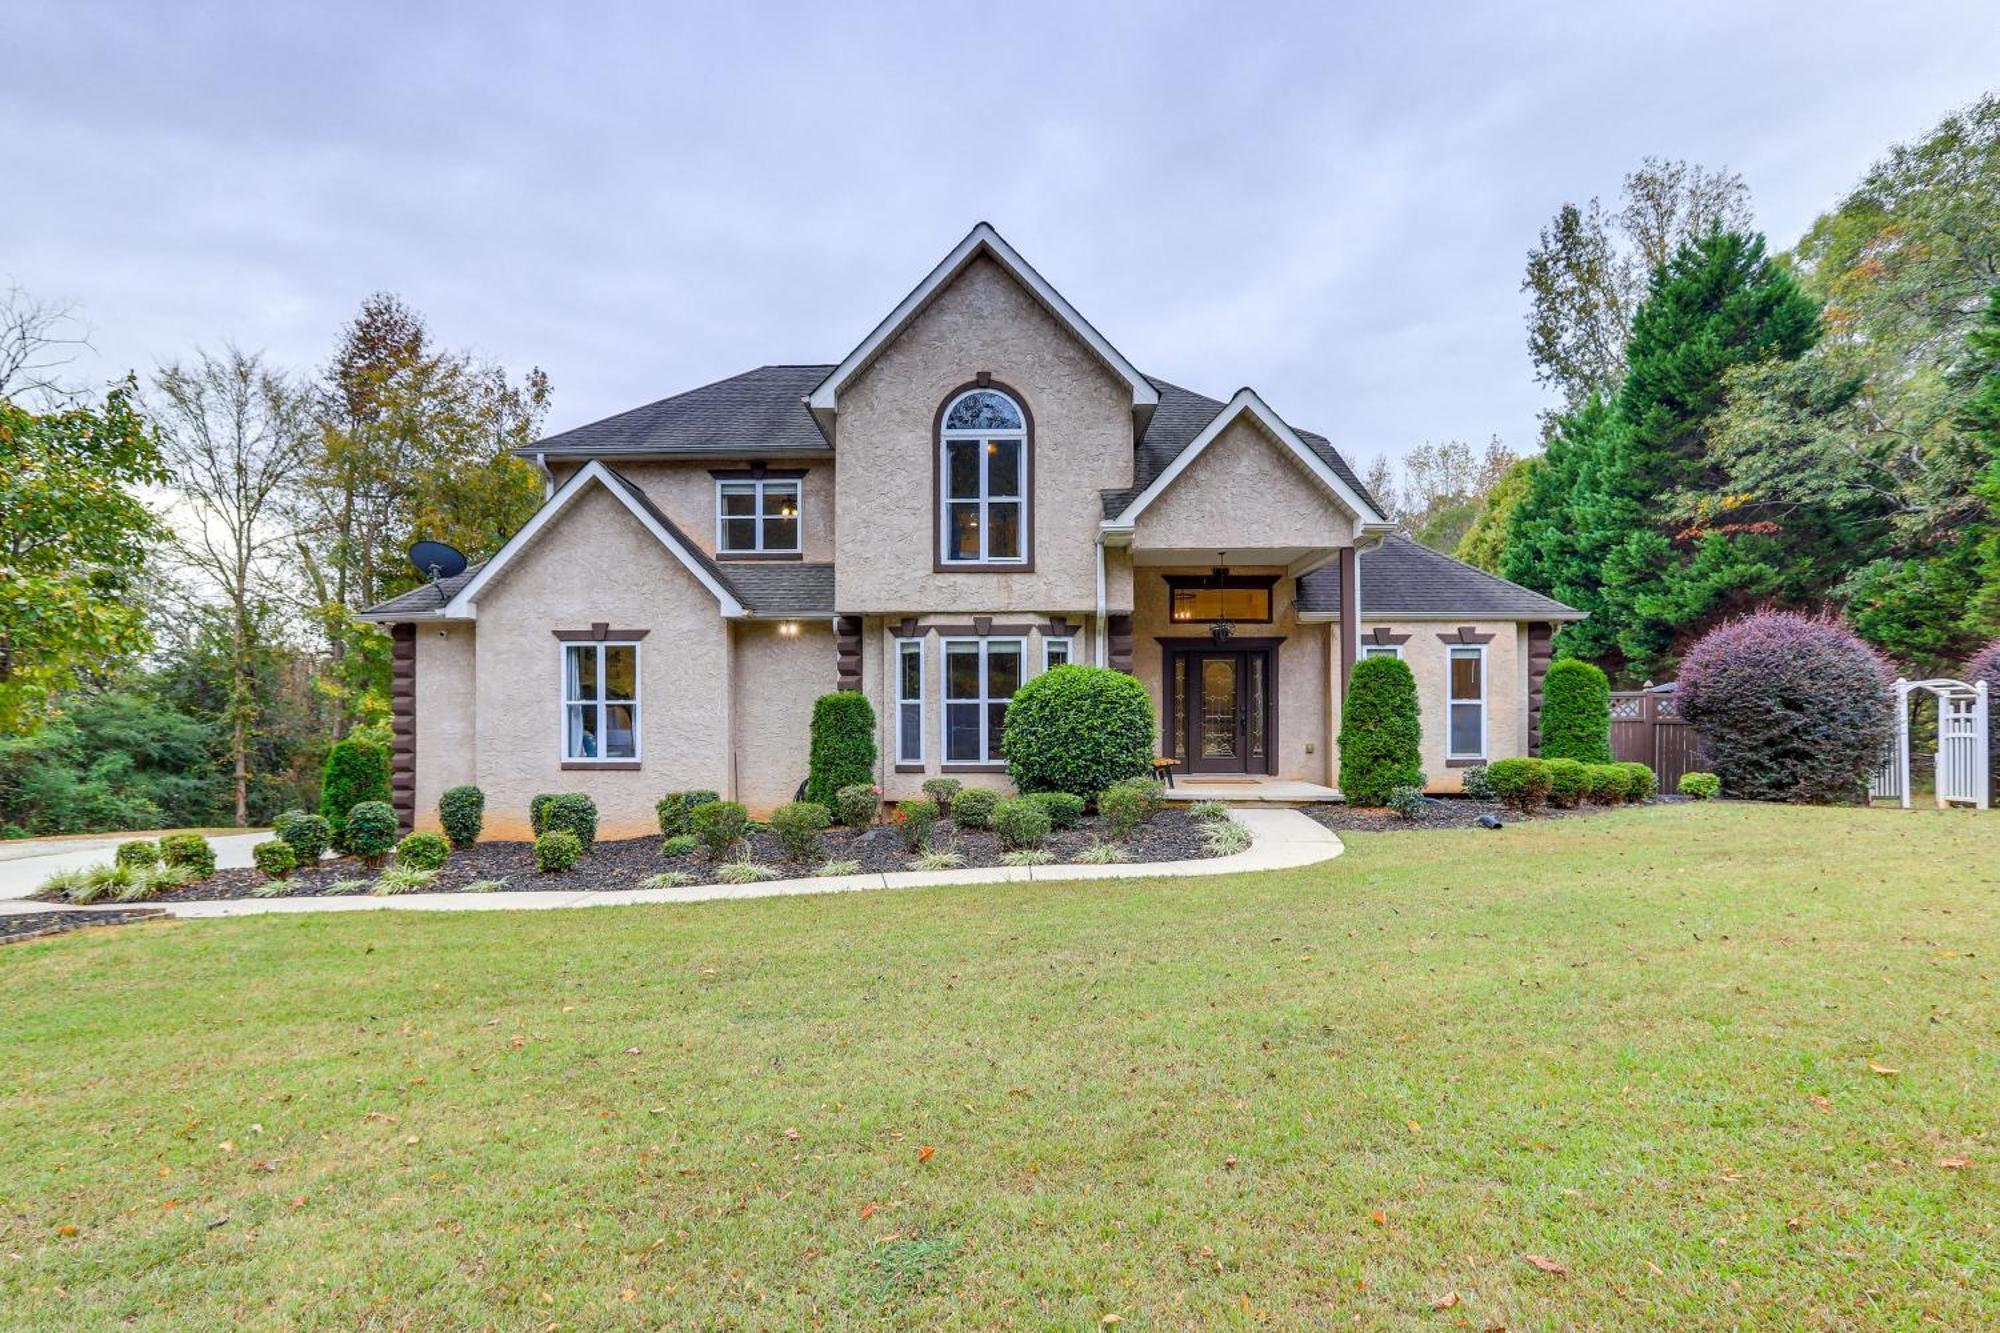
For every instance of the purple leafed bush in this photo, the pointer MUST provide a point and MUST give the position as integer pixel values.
(1791, 707)
(1985, 665)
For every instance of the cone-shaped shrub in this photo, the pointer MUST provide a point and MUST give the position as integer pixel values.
(1576, 713)
(356, 770)
(1790, 707)
(843, 746)
(1379, 732)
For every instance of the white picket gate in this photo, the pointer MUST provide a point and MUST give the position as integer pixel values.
(1961, 763)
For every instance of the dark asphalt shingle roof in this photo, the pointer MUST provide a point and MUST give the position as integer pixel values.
(1404, 577)
(424, 600)
(761, 411)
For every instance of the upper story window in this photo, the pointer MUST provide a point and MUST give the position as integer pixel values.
(1218, 596)
(983, 466)
(1394, 650)
(757, 517)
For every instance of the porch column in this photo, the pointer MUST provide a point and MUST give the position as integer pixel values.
(1350, 615)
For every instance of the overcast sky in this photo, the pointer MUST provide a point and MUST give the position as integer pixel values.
(1328, 202)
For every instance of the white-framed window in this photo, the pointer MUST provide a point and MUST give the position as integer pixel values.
(1465, 702)
(1057, 652)
(983, 480)
(1369, 650)
(600, 702)
(757, 517)
(980, 676)
(910, 701)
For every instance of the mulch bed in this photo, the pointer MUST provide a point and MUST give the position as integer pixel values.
(1446, 812)
(1171, 835)
(19, 927)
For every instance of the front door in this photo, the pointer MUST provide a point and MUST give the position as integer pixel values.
(1226, 718)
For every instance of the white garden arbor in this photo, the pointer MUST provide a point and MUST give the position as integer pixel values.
(1962, 760)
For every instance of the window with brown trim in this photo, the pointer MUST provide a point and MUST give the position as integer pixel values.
(1242, 598)
(983, 473)
(600, 702)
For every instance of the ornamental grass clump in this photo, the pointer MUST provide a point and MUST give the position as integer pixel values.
(1078, 729)
(798, 826)
(1380, 734)
(1789, 707)
(1576, 713)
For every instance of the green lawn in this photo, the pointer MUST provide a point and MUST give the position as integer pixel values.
(1643, 1045)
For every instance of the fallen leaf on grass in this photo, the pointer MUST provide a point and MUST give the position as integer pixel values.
(1445, 1302)
(925, 1153)
(1883, 1070)
(792, 1134)
(1547, 1265)
(1795, 1224)
(1821, 1102)
(1111, 1319)
(1379, 1218)
(65, 1230)
(867, 1211)
(1954, 1163)
(628, 1295)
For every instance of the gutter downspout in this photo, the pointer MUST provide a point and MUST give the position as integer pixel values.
(1100, 635)
(548, 477)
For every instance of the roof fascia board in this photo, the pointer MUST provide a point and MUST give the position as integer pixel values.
(1372, 613)
(982, 239)
(464, 606)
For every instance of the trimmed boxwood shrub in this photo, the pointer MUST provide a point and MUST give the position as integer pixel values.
(1078, 729)
(1640, 781)
(309, 835)
(914, 822)
(189, 852)
(720, 825)
(462, 812)
(1605, 784)
(370, 831)
(571, 810)
(422, 851)
(858, 804)
(676, 810)
(1567, 779)
(1065, 810)
(1789, 707)
(843, 745)
(942, 790)
(1523, 784)
(1022, 824)
(356, 770)
(137, 855)
(1576, 713)
(1701, 786)
(1380, 735)
(557, 851)
(798, 826)
(973, 808)
(1123, 808)
(274, 857)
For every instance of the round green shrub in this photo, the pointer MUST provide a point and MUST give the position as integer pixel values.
(942, 790)
(1380, 736)
(1473, 781)
(798, 826)
(1701, 786)
(915, 821)
(1078, 729)
(1640, 782)
(843, 745)
(462, 812)
(422, 851)
(274, 857)
(1021, 824)
(538, 812)
(189, 852)
(720, 825)
(1604, 784)
(1567, 780)
(557, 851)
(574, 812)
(1576, 713)
(858, 804)
(973, 807)
(1407, 802)
(1523, 784)
(1123, 807)
(679, 845)
(138, 854)
(309, 836)
(1152, 793)
(370, 831)
(676, 810)
(356, 770)
(1064, 809)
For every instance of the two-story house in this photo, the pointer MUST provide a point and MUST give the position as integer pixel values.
(983, 488)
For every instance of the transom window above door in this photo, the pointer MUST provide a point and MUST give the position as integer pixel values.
(757, 517)
(983, 466)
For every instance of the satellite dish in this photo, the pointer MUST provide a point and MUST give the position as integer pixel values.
(435, 560)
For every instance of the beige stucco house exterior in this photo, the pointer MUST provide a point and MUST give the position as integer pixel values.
(981, 489)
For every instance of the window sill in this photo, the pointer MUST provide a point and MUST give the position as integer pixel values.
(972, 767)
(759, 555)
(983, 567)
(605, 765)
(1473, 761)
(909, 768)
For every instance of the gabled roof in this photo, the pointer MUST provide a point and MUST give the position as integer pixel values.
(982, 240)
(1402, 579)
(1327, 466)
(760, 412)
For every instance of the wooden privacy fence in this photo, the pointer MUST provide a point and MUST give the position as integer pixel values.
(1647, 728)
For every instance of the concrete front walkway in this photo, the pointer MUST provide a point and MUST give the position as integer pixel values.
(1280, 840)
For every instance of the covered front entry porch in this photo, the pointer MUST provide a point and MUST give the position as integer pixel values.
(1250, 791)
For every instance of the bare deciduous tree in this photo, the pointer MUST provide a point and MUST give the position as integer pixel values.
(37, 339)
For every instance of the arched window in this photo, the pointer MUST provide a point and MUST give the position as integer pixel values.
(983, 472)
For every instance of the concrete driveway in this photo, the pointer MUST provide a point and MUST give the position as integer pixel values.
(25, 864)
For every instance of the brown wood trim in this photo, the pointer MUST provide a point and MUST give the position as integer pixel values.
(742, 557)
(1268, 582)
(758, 472)
(1350, 619)
(847, 654)
(600, 632)
(603, 765)
(909, 768)
(949, 769)
(1025, 565)
(979, 629)
(1541, 649)
(1463, 763)
(908, 628)
(1463, 634)
(1118, 641)
(1381, 637)
(403, 725)
(1062, 627)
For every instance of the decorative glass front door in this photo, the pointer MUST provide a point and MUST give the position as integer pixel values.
(1222, 714)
